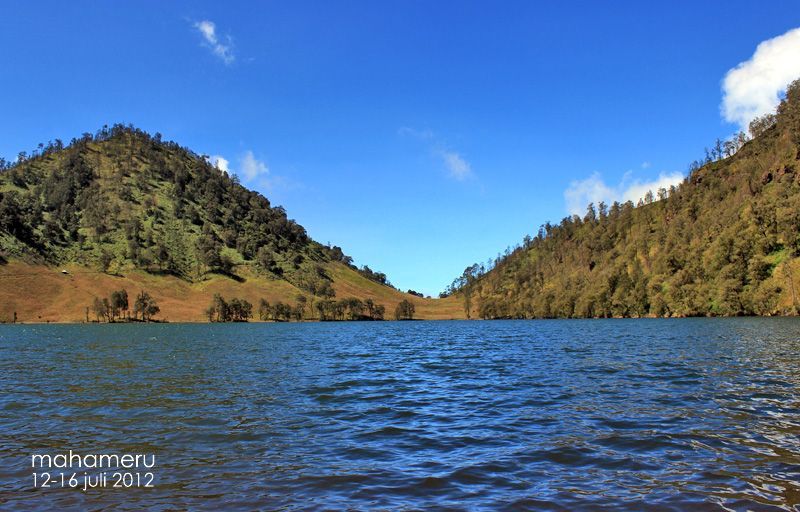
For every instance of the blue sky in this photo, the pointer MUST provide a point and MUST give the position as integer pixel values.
(419, 136)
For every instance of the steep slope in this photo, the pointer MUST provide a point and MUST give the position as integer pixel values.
(123, 209)
(724, 242)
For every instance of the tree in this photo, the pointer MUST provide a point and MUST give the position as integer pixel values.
(326, 290)
(178, 259)
(239, 310)
(321, 310)
(119, 302)
(326, 309)
(354, 307)
(161, 255)
(246, 310)
(264, 310)
(404, 310)
(13, 217)
(300, 307)
(218, 311)
(466, 283)
(100, 308)
(602, 210)
(107, 309)
(266, 260)
(761, 124)
(208, 250)
(279, 312)
(284, 311)
(378, 277)
(145, 306)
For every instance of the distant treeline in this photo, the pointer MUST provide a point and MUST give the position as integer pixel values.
(336, 254)
(350, 309)
(117, 308)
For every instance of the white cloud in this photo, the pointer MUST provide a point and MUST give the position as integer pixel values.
(252, 167)
(582, 192)
(753, 87)
(223, 50)
(593, 190)
(249, 166)
(220, 163)
(637, 189)
(456, 165)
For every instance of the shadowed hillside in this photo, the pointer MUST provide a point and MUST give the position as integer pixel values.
(724, 242)
(124, 209)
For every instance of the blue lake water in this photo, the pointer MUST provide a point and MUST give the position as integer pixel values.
(694, 414)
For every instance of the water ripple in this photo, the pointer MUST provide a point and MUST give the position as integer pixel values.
(696, 414)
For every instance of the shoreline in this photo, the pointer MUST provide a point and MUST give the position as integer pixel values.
(414, 320)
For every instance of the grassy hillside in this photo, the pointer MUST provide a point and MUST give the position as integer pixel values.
(724, 242)
(40, 293)
(123, 209)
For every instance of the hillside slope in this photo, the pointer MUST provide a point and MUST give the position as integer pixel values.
(725, 242)
(124, 209)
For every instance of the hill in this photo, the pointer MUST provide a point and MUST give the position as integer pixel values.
(725, 242)
(123, 209)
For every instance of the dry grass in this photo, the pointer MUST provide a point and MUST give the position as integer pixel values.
(39, 293)
(348, 283)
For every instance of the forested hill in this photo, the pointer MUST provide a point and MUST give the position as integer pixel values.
(124, 204)
(122, 198)
(724, 242)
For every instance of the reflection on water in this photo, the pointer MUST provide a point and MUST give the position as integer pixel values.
(564, 415)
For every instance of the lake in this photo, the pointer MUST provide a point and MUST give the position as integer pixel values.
(673, 414)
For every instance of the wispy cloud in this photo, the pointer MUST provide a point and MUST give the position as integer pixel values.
(252, 171)
(454, 162)
(222, 47)
(753, 87)
(456, 165)
(252, 167)
(594, 189)
(419, 134)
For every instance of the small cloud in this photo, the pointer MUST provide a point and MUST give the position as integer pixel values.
(456, 165)
(646, 165)
(419, 134)
(254, 171)
(251, 167)
(637, 189)
(220, 163)
(223, 50)
(582, 192)
(594, 190)
(753, 88)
